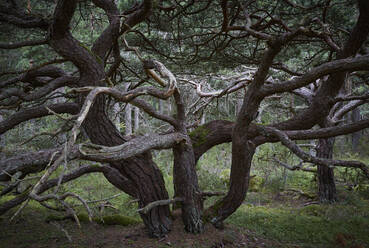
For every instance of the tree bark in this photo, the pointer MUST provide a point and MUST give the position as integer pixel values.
(140, 177)
(147, 183)
(184, 174)
(326, 184)
(242, 154)
(186, 186)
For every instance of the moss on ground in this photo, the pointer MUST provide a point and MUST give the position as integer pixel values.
(115, 219)
(311, 226)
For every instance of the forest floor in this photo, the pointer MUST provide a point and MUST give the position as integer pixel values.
(278, 220)
(31, 231)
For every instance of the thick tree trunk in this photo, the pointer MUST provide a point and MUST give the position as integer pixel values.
(326, 184)
(147, 183)
(242, 153)
(184, 174)
(186, 186)
(140, 177)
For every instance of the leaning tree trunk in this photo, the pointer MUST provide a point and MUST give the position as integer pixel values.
(242, 154)
(326, 184)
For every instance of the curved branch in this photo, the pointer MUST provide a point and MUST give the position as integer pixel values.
(349, 64)
(36, 112)
(23, 44)
(110, 35)
(209, 135)
(26, 163)
(12, 14)
(151, 205)
(218, 132)
(52, 183)
(13, 95)
(338, 115)
(138, 16)
(285, 140)
(151, 111)
(43, 70)
(294, 167)
(130, 148)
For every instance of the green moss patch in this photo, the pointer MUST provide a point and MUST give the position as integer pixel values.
(311, 226)
(198, 136)
(115, 219)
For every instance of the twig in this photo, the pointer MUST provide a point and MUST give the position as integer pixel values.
(293, 167)
(151, 205)
(286, 141)
(59, 115)
(24, 204)
(57, 225)
(210, 194)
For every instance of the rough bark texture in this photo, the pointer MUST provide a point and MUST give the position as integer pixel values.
(240, 174)
(326, 184)
(186, 186)
(243, 147)
(209, 135)
(145, 180)
(184, 174)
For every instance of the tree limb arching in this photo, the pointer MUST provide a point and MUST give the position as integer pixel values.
(309, 158)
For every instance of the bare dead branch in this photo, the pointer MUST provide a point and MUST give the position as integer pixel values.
(58, 226)
(293, 167)
(267, 131)
(151, 205)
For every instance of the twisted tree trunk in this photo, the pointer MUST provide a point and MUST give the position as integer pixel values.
(139, 176)
(142, 177)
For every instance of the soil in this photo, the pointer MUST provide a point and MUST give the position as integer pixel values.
(30, 230)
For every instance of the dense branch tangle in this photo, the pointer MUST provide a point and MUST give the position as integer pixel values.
(194, 41)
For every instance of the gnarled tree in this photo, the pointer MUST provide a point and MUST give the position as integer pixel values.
(118, 64)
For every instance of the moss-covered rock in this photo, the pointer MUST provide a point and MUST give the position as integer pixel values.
(117, 219)
(54, 217)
